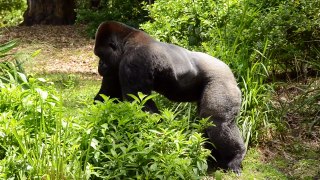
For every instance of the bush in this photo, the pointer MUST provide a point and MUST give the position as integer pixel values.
(181, 22)
(28, 117)
(127, 11)
(202, 25)
(11, 12)
(35, 140)
(110, 140)
(41, 140)
(257, 39)
(129, 143)
(290, 28)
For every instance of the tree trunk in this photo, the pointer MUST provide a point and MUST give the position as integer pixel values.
(55, 12)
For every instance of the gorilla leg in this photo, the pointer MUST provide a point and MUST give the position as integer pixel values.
(228, 147)
(221, 102)
(110, 85)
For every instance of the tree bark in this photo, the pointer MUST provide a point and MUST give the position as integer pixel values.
(54, 12)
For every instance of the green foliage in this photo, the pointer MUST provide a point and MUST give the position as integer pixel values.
(34, 138)
(258, 39)
(126, 11)
(35, 141)
(182, 22)
(127, 142)
(291, 28)
(9, 71)
(6, 47)
(204, 22)
(41, 139)
(117, 140)
(11, 12)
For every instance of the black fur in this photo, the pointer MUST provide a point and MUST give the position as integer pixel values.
(131, 61)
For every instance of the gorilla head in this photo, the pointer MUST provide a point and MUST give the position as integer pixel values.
(131, 61)
(109, 45)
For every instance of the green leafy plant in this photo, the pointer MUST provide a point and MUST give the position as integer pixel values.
(219, 28)
(108, 140)
(126, 142)
(258, 40)
(127, 11)
(35, 139)
(11, 12)
(182, 22)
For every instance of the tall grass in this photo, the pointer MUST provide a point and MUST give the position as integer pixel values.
(36, 137)
(36, 141)
(251, 71)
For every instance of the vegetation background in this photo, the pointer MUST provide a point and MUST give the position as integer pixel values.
(49, 128)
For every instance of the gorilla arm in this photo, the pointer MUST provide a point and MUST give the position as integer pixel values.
(110, 85)
(136, 77)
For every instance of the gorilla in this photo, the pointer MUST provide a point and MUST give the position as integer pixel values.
(131, 61)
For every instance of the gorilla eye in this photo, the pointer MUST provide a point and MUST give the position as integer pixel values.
(113, 45)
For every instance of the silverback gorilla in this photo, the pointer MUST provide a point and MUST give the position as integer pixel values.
(131, 61)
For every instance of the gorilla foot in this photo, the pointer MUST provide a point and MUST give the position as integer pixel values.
(236, 170)
(232, 166)
(235, 165)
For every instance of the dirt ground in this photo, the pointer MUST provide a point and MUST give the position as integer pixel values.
(61, 49)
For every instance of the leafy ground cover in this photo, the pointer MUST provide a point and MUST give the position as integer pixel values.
(65, 57)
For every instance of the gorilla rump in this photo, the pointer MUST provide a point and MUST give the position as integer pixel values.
(131, 61)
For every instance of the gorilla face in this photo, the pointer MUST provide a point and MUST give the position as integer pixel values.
(109, 44)
(131, 61)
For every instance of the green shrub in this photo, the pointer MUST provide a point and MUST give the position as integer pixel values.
(292, 29)
(181, 22)
(217, 28)
(39, 140)
(111, 140)
(11, 12)
(257, 39)
(35, 140)
(129, 143)
(126, 11)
